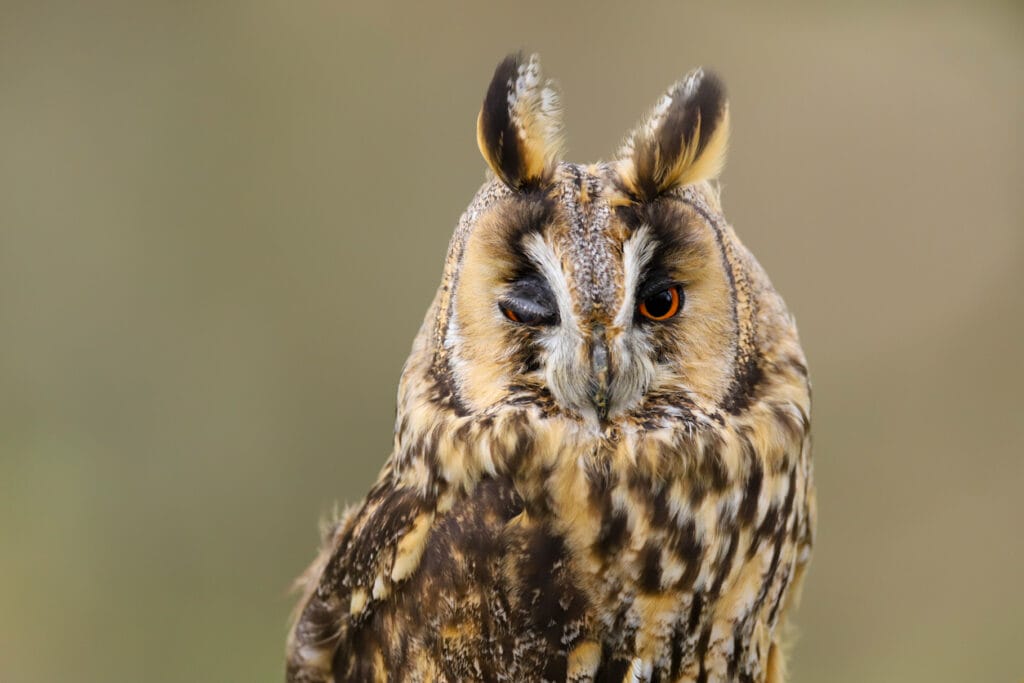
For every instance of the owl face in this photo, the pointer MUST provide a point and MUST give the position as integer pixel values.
(606, 306)
(602, 291)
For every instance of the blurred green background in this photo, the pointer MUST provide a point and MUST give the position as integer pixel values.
(220, 224)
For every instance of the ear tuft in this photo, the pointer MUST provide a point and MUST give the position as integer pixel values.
(519, 127)
(681, 141)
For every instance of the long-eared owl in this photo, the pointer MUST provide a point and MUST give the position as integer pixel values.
(601, 466)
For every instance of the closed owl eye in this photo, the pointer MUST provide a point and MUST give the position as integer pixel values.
(525, 313)
(529, 301)
(660, 301)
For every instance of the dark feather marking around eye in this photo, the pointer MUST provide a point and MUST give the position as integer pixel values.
(655, 281)
(528, 299)
(527, 213)
(670, 225)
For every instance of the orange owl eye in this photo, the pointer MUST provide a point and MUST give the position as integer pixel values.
(510, 314)
(661, 305)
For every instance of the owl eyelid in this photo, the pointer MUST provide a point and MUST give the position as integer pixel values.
(529, 304)
(526, 312)
(529, 301)
(657, 284)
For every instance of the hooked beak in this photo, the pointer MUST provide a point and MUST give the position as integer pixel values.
(599, 371)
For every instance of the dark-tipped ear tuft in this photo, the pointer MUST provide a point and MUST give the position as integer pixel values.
(519, 127)
(681, 141)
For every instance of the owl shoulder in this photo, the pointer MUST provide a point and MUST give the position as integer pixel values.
(404, 553)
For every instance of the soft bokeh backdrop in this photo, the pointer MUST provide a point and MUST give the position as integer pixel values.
(220, 224)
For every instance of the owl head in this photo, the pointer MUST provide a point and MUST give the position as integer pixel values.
(601, 294)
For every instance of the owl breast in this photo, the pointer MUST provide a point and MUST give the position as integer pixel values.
(677, 565)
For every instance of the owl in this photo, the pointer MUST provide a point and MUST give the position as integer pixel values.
(601, 466)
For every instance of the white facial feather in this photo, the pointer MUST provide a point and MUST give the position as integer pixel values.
(566, 368)
(637, 252)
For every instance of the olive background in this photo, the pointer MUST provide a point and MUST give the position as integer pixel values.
(221, 223)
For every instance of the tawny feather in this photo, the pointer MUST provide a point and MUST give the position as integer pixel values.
(519, 129)
(681, 141)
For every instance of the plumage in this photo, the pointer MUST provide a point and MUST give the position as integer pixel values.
(578, 490)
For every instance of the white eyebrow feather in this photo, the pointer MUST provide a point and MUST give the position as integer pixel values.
(544, 258)
(637, 252)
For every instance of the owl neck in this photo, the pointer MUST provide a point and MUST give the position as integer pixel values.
(548, 458)
(562, 467)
